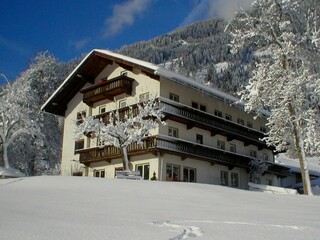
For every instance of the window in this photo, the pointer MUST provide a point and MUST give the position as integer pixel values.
(189, 175)
(173, 97)
(172, 172)
(173, 132)
(240, 121)
(235, 180)
(249, 124)
(224, 178)
(265, 156)
(79, 144)
(269, 182)
(218, 113)
(263, 129)
(144, 171)
(194, 105)
(117, 169)
(123, 103)
(199, 139)
(124, 73)
(102, 109)
(229, 117)
(253, 153)
(203, 108)
(80, 116)
(100, 143)
(221, 145)
(233, 148)
(99, 173)
(144, 97)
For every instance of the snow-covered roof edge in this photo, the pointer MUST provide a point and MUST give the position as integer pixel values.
(173, 76)
(66, 80)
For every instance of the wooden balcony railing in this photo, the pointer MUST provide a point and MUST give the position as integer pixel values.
(107, 89)
(216, 125)
(178, 147)
(195, 118)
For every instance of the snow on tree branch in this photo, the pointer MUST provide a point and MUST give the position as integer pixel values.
(123, 127)
(286, 77)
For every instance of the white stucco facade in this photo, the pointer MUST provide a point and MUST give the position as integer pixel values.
(163, 163)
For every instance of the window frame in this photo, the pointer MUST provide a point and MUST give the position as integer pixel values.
(199, 138)
(99, 172)
(174, 97)
(224, 178)
(123, 101)
(218, 113)
(232, 145)
(240, 121)
(221, 145)
(143, 97)
(143, 174)
(194, 105)
(234, 180)
(102, 109)
(78, 145)
(173, 129)
(228, 117)
(80, 116)
(188, 169)
(172, 168)
(203, 108)
(253, 153)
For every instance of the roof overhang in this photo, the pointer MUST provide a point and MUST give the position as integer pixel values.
(86, 72)
(93, 63)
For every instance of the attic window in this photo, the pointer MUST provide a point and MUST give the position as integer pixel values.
(80, 116)
(124, 73)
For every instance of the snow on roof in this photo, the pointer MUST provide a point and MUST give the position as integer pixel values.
(175, 77)
(162, 72)
(293, 164)
(157, 70)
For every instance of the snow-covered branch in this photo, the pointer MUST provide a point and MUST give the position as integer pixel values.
(124, 126)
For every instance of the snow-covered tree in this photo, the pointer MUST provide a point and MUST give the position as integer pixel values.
(258, 167)
(14, 118)
(286, 78)
(39, 150)
(123, 128)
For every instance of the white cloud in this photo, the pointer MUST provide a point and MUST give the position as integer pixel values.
(206, 9)
(13, 46)
(124, 14)
(78, 45)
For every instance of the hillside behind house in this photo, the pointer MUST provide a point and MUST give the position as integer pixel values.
(200, 51)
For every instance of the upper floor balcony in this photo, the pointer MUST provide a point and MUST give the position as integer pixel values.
(107, 89)
(216, 125)
(196, 118)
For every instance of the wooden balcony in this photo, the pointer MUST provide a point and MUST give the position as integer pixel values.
(216, 125)
(195, 118)
(107, 89)
(164, 144)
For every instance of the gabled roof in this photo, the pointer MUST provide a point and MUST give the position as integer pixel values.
(90, 67)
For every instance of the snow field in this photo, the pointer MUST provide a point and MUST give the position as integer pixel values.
(90, 208)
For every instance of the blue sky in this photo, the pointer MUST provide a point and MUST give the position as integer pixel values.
(71, 28)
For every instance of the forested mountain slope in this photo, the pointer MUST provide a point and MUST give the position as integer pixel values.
(200, 51)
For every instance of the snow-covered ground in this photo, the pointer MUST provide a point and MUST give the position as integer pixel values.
(92, 208)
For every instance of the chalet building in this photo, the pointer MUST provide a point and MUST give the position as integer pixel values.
(208, 138)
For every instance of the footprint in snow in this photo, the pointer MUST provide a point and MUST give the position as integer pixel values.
(186, 231)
